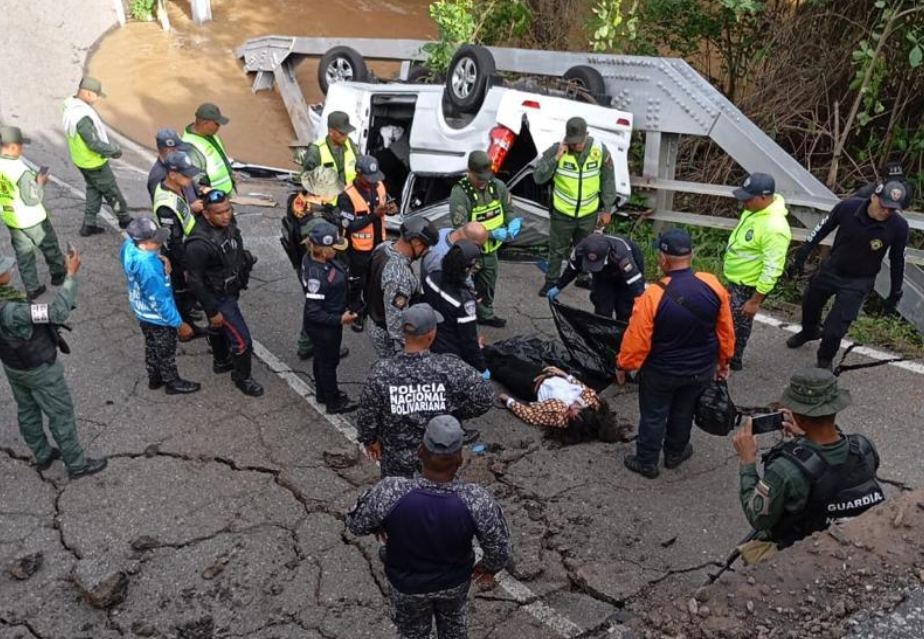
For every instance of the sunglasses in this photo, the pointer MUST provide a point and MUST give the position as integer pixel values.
(215, 197)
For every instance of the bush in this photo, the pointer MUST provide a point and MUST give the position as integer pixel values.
(143, 10)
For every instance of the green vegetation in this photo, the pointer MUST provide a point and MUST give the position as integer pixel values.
(143, 10)
(473, 21)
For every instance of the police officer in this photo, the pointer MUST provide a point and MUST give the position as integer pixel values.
(207, 149)
(218, 268)
(336, 150)
(392, 283)
(819, 477)
(429, 523)
(21, 193)
(325, 282)
(755, 255)
(866, 229)
(174, 212)
(169, 141)
(891, 172)
(481, 197)
(583, 192)
(90, 149)
(405, 391)
(29, 344)
(617, 267)
(448, 291)
(362, 206)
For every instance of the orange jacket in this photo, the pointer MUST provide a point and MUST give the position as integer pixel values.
(636, 342)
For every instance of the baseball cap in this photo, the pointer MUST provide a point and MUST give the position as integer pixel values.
(340, 121)
(575, 130)
(94, 85)
(470, 251)
(209, 111)
(368, 167)
(891, 194)
(181, 163)
(594, 249)
(6, 264)
(420, 319)
(170, 139)
(755, 185)
(480, 164)
(674, 241)
(144, 228)
(443, 435)
(326, 234)
(12, 135)
(419, 227)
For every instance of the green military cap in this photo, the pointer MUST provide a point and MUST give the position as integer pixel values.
(340, 121)
(814, 392)
(12, 135)
(575, 130)
(480, 164)
(209, 111)
(94, 85)
(6, 264)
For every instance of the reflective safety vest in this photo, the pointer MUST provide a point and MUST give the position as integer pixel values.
(576, 190)
(491, 215)
(349, 158)
(217, 166)
(15, 213)
(180, 207)
(82, 155)
(363, 239)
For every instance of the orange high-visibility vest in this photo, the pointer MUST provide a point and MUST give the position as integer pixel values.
(363, 239)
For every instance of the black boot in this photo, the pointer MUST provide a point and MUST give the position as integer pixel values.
(241, 374)
(92, 467)
(221, 353)
(182, 387)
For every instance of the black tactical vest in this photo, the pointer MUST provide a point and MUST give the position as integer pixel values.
(375, 292)
(26, 354)
(838, 493)
(233, 273)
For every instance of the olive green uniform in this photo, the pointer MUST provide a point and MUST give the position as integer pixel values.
(567, 230)
(42, 390)
(312, 158)
(460, 207)
(101, 181)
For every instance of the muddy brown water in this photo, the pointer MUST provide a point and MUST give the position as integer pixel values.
(155, 79)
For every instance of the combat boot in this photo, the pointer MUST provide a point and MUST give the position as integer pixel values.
(182, 387)
(221, 353)
(92, 467)
(241, 374)
(803, 337)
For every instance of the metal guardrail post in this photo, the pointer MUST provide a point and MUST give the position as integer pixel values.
(660, 163)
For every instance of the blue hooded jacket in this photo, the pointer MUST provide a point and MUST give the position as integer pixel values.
(149, 290)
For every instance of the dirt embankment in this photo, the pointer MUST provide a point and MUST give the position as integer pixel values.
(156, 79)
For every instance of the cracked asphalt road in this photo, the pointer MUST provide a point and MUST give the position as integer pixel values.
(225, 513)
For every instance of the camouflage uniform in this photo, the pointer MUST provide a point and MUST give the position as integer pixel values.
(399, 284)
(405, 391)
(413, 614)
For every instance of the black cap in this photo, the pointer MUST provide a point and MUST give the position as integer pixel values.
(575, 130)
(180, 162)
(674, 241)
(593, 249)
(420, 228)
(340, 121)
(480, 164)
(368, 167)
(325, 234)
(470, 251)
(892, 194)
(209, 111)
(755, 185)
(170, 139)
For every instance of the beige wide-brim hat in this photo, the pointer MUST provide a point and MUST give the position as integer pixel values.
(321, 181)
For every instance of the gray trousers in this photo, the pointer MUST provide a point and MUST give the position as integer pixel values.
(413, 615)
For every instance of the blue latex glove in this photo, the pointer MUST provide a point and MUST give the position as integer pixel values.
(499, 234)
(514, 228)
(486, 374)
(553, 293)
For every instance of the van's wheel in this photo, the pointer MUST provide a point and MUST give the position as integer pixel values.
(590, 82)
(469, 77)
(341, 64)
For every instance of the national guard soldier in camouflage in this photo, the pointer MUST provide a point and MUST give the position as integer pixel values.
(403, 392)
(392, 283)
(29, 344)
(429, 522)
(817, 478)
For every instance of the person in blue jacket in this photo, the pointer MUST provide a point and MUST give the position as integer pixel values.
(151, 299)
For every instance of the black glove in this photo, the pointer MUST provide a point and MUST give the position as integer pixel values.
(891, 303)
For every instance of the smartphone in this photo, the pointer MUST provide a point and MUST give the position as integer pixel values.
(71, 249)
(43, 170)
(766, 423)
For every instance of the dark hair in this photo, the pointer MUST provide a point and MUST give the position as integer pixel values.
(455, 269)
(591, 424)
(439, 463)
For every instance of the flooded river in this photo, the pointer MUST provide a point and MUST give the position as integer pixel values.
(155, 79)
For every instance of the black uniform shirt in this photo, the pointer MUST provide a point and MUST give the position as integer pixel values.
(325, 285)
(624, 263)
(458, 334)
(352, 222)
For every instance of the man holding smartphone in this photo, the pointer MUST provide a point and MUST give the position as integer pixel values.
(817, 477)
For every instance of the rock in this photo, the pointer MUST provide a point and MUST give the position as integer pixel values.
(899, 518)
(839, 609)
(751, 580)
(704, 611)
(213, 571)
(143, 629)
(750, 606)
(105, 592)
(693, 607)
(145, 542)
(921, 575)
(340, 458)
(25, 567)
(152, 450)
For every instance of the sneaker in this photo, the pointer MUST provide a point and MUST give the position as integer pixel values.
(45, 465)
(802, 337)
(36, 293)
(736, 365)
(222, 366)
(182, 387)
(470, 436)
(346, 405)
(57, 280)
(92, 467)
(649, 471)
(249, 387)
(544, 291)
(496, 322)
(672, 461)
(155, 383)
(124, 222)
(87, 230)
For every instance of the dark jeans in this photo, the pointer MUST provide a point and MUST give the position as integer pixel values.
(101, 183)
(666, 404)
(326, 340)
(517, 375)
(849, 295)
(611, 295)
(359, 262)
(160, 352)
(739, 295)
(42, 237)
